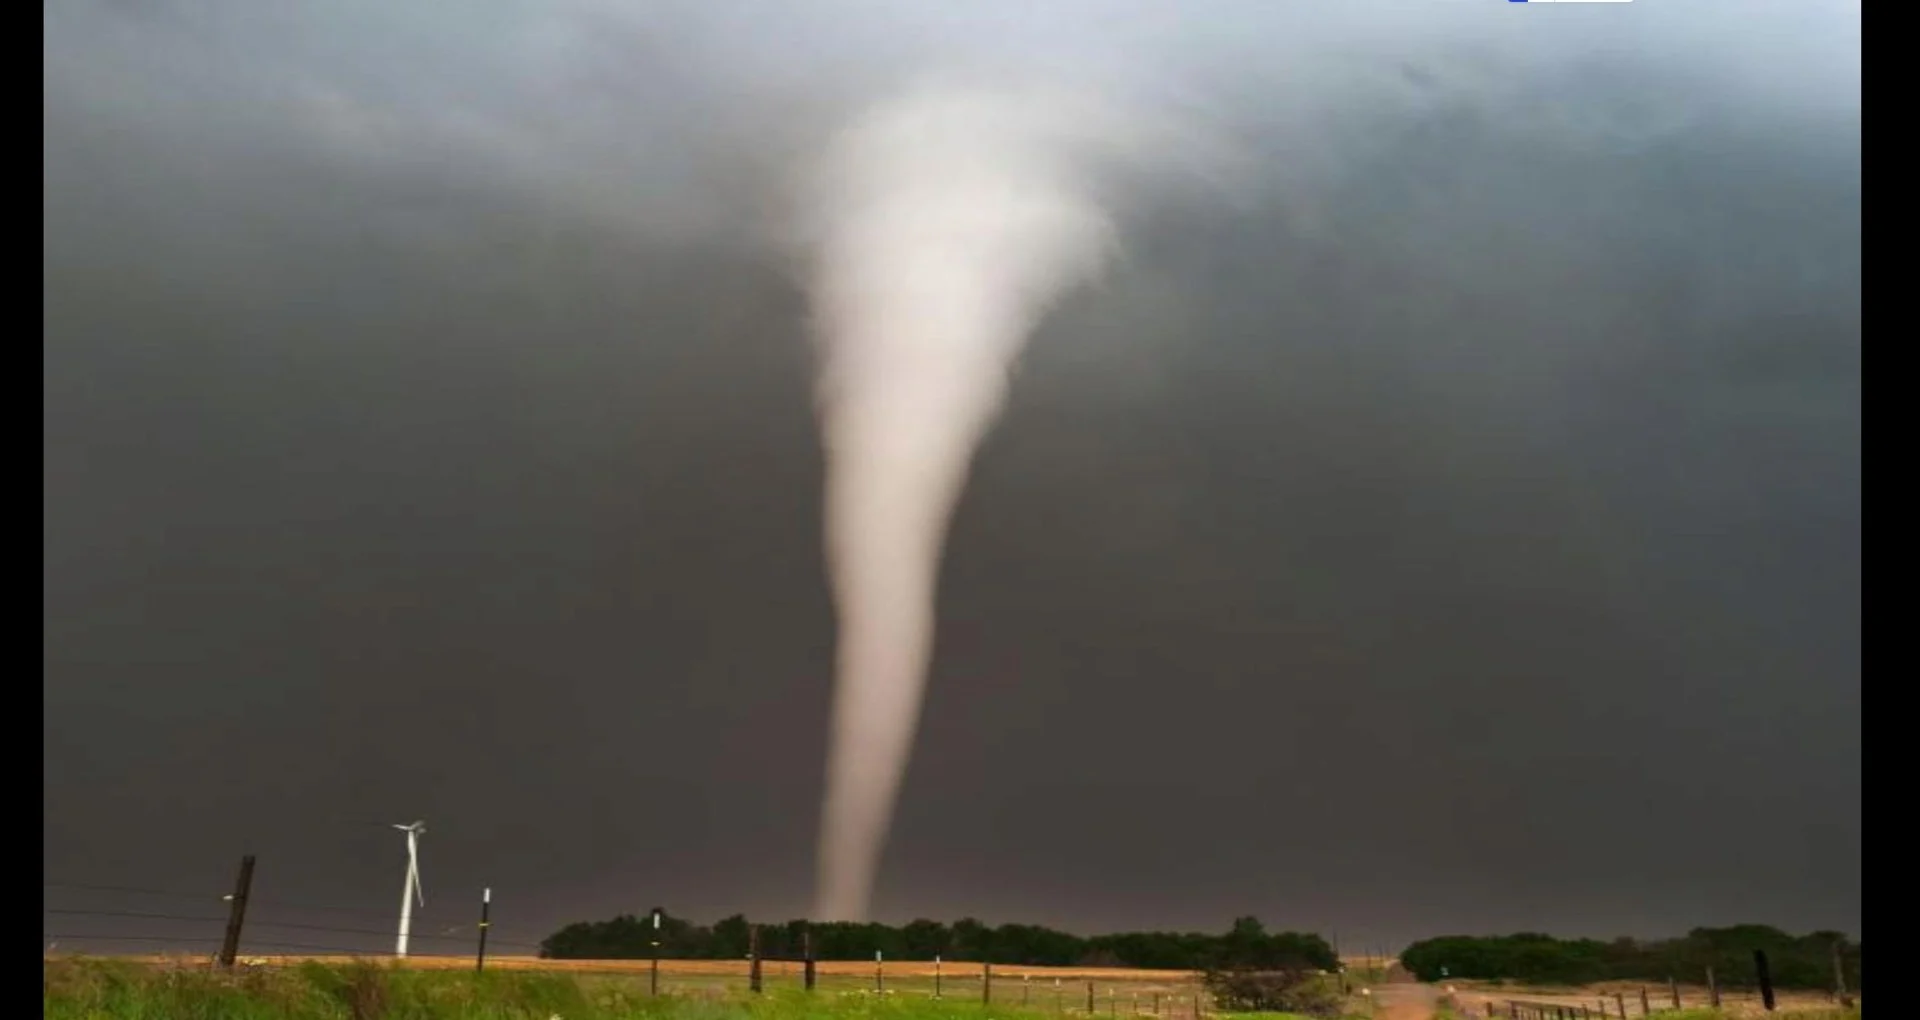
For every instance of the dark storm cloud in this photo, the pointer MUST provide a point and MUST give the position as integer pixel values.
(1454, 527)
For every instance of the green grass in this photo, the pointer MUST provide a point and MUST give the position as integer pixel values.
(98, 989)
(105, 989)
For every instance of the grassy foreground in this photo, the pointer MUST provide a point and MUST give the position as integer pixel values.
(98, 989)
(106, 989)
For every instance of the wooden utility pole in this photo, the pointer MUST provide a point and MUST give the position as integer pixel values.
(480, 957)
(653, 975)
(1765, 975)
(237, 912)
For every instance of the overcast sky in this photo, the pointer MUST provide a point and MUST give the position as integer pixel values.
(1448, 521)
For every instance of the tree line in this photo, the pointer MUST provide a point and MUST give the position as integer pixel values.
(1246, 944)
(1795, 961)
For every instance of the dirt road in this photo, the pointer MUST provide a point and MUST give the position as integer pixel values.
(1403, 998)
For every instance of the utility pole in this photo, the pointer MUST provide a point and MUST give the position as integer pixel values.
(480, 958)
(1765, 974)
(237, 913)
(653, 977)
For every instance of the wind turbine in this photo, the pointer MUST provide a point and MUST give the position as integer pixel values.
(411, 890)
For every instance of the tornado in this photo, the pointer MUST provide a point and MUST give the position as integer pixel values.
(944, 222)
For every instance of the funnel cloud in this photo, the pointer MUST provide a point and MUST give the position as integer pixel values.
(950, 218)
(465, 366)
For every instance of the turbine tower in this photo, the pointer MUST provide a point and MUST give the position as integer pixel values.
(411, 890)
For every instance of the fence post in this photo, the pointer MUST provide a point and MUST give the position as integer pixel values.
(1621, 1001)
(480, 957)
(1089, 998)
(237, 914)
(1713, 989)
(879, 972)
(936, 975)
(806, 951)
(986, 982)
(1765, 975)
(753, 959)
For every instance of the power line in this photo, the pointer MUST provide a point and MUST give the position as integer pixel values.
(281, 904)
(129, 913)
(133, 889)
(128, 938)
(443, 936)
(309, 946)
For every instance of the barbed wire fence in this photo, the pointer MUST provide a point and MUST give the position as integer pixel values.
(236, 929)
(191, 922)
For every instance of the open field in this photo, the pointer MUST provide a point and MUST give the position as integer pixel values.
(98, 989)
(523, 988)
(838, 975)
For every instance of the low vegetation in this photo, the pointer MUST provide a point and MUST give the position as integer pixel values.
(1295, 992)
(1246, 943)
(1802, 961)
